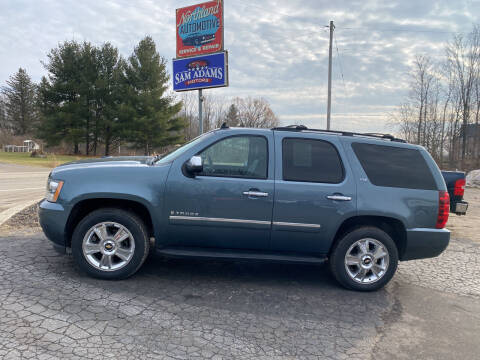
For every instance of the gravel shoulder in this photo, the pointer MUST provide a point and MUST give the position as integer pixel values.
(22, 223)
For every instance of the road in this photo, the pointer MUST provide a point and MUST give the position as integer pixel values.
(191, 309)
(20, 184)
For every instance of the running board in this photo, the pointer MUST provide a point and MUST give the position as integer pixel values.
(240, 255)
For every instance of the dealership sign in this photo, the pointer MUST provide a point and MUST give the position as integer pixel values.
(200, 72)
(199, 29)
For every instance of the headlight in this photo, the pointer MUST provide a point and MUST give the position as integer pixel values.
(53, 190)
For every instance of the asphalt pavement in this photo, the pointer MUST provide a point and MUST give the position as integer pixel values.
(192, 309)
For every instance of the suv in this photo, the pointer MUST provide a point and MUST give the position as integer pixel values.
(363, 202)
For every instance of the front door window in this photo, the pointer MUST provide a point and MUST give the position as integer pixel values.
(237, 156)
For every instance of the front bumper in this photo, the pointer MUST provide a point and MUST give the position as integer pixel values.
(425, 243)
(53, 219)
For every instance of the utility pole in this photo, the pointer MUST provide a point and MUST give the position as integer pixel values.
(200, 117)
(329, 103)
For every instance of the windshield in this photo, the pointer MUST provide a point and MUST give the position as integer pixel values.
(179, 151)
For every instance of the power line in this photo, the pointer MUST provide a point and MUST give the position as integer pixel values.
(398, 30)
(340, 62)
(369, 51)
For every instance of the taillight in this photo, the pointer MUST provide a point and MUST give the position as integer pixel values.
(459, 188)
(443, 209)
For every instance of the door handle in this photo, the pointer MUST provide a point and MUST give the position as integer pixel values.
(339, 197)
(255, 193)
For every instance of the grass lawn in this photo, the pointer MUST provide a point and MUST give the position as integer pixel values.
(49, 161)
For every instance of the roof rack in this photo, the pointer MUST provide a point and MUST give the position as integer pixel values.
(338, 132)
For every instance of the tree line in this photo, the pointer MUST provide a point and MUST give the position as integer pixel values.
(93, 99)
(239, 111)
(94, 96)
(442, 109)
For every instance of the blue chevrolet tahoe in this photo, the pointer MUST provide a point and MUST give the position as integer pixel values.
(362, 202)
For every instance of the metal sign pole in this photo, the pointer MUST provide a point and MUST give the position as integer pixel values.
(200, 117)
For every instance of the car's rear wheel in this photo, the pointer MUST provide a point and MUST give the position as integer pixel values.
(364, 259)
(110, 243)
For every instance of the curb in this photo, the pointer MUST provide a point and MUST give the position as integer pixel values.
(7, 214)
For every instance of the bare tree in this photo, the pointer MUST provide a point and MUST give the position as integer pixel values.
(476, 140)
(404, 120)
(443, 106)
(190, 113)
(255, 112)
(214, 111)
(463, 60)
(447, 99)
(433, 128)
(420, 86)
(246, 112)
(418, 118)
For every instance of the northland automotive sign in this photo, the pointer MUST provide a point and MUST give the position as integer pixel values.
(200, 29)
(200, 72)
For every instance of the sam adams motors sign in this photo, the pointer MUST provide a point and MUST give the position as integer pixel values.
(200, 72)
(200, 29)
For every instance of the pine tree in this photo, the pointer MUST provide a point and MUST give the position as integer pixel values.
(60, 97)
(20, 102)
(232, 118)
(68, 96)
(4, 124)
(88, 73)
(109, 97)
(150, 116)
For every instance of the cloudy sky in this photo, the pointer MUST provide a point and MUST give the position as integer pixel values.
(277, 49)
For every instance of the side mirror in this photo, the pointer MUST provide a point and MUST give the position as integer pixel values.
(194, 165)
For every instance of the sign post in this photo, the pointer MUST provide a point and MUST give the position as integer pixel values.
(199, 31)
(200, 115)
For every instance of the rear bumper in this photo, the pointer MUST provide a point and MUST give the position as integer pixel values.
(425, 243)
(460, 207)
(53, 219)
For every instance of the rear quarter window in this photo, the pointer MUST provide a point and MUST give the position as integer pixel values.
(311, 160)
(394, 166)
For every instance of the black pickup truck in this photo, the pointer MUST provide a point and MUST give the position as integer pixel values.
(455, 181)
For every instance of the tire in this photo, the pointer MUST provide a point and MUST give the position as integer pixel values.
(103, 251)
(367, 269)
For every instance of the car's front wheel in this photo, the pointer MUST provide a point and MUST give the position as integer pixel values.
(364, 259)
(110, 243)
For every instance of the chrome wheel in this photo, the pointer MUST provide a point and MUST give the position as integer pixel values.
(366, 261)
(108, 246)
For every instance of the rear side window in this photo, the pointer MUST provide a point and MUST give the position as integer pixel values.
(394, 166)
(311, 160)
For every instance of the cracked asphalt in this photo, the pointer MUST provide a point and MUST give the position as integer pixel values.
(193, 309)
